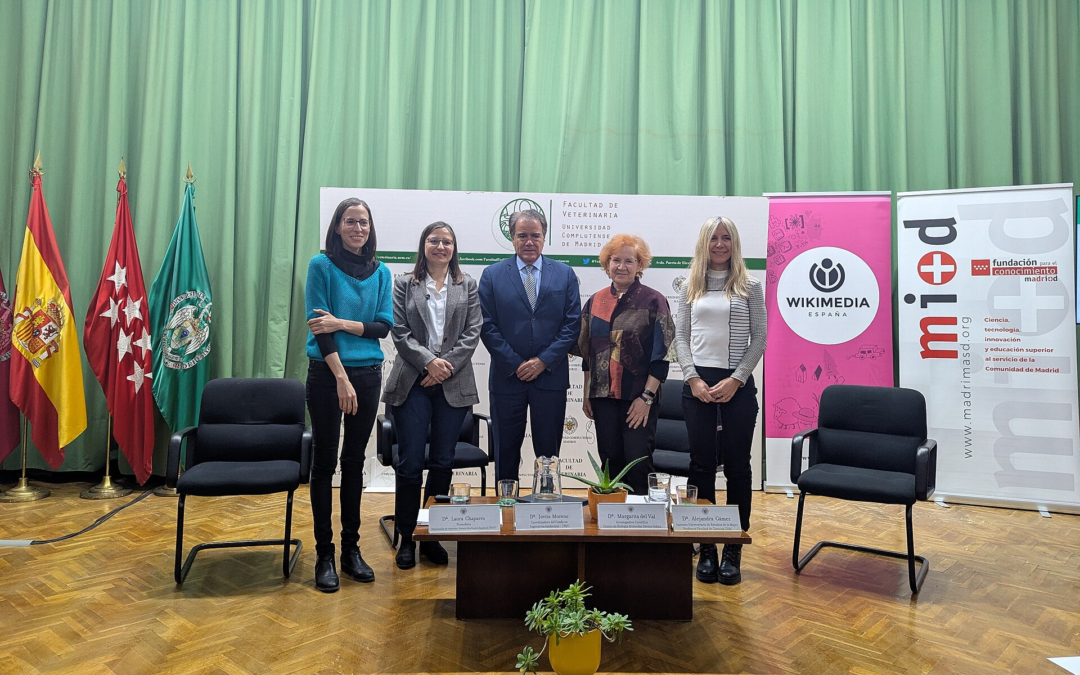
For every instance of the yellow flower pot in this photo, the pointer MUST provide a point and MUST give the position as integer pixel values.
(618, 497)
(575, 654)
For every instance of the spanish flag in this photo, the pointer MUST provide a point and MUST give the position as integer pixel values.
(46, 371)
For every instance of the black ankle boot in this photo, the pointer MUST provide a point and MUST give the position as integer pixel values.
(326, 578)
(433, 551)
(729, 566)
(406, 555)
(354, 567)
(707, 566)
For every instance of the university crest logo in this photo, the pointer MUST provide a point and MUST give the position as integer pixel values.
(186, 338)
(37, 330)
(500, 224)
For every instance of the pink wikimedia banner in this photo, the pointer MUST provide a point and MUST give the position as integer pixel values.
(829, 301)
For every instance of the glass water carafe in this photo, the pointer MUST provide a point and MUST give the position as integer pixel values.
(547, 483)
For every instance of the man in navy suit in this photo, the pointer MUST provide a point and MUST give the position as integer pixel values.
(532, 316)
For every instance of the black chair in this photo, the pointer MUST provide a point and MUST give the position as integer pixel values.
(467, 454)
(870, 446)
(672, 450)
(250, 440)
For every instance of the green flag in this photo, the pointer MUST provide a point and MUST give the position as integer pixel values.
(180, 315)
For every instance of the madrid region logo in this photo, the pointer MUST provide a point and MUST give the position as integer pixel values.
(827, 276)
(500, 224)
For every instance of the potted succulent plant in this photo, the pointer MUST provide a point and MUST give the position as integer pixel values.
(605, 488)
(573, 633)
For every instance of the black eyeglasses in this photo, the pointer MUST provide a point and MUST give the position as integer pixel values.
(352, 223)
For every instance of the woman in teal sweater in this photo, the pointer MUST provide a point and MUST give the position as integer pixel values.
(349, 304)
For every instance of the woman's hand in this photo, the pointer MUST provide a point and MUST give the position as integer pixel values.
(723, 390)
(586, 407)
(700, 390)
(325, 323)
(346, 396)
(439, 370)
(639, 412)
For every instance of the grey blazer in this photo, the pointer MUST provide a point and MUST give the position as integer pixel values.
(461, 334)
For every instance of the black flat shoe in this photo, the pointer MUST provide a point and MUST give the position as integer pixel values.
(729, 566)
(326, 578)
(707, 565)
(434, 552)
(406, 556)
(354, 567)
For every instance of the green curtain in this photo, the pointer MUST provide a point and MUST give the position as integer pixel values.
(269, 101)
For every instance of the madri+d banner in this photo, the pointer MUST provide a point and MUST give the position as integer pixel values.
(987, 334)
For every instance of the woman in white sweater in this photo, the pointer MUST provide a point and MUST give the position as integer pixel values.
(719, 339)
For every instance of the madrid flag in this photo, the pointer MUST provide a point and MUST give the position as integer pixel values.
(119, 346)
(46, 372)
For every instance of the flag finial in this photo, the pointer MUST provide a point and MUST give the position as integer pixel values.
(190, 178)
(39, 168)
(123, 168)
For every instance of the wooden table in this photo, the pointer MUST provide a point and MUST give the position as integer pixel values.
(646, 574)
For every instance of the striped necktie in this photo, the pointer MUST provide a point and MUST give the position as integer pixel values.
(530, 286)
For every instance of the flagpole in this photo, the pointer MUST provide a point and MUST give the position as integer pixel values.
(165, 490)
(24, 491)
(105, 489)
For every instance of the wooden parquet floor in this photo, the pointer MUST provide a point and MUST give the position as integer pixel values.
(1003, 594)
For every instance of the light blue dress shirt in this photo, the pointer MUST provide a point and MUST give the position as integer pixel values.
(537, 266)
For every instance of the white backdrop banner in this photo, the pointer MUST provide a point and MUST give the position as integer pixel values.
(578, 227)
(987, 333)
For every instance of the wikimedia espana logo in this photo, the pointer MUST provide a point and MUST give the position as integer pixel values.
(500, 224)
(828, 295)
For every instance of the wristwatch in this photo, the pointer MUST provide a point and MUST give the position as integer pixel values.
(648, 401)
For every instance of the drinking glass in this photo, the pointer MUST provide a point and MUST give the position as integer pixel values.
(459, 493)
(659, 487)
(508, 492)
(687, 494)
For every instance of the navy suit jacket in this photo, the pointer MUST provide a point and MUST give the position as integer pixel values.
(513, 332)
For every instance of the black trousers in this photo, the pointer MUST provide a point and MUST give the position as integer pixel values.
(424, 420)
(730, 446)
(326, 416)
(618, 444)
(547, 413)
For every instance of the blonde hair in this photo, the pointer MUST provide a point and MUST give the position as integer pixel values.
(738, 280)
(641, 250)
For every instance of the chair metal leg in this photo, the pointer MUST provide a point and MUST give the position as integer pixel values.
(179, 539)
(483, 481)
(915, 581)
(287, 563)
(390, 530)
(798, 534)
(181, 571)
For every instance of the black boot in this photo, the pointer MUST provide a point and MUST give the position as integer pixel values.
(326, 578)
(406, 555)
(707, 565)
(354, 567)
(433, 551)
(729, 566)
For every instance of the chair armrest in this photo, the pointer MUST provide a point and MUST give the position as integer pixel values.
(385, 436)
(305, 456)
(926, 469)
(796, 452)
(490, 435)
(172, 464)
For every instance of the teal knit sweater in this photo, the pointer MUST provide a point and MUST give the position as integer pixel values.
(343, 296)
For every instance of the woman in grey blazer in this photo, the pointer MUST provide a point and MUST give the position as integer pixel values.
(431, 386)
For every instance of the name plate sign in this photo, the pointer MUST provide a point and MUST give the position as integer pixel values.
(631, 516)
(705, 517)
(464, 518)
(550, 516)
